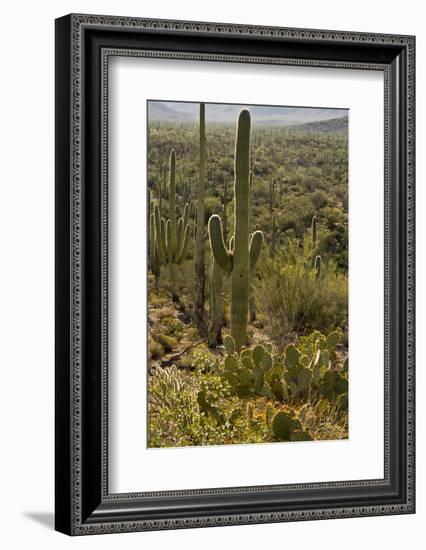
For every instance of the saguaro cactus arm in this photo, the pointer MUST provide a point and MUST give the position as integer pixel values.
(179, 231)
(231, 244)
(151, 237)
(185, 215)
(160, 232)
(255, 247)
(160, 192)
(184, 246)
(164, 186)
(154, 257)
(216, 302)
(318, 265)
(221, 255)
(169, 242)
(163, 235)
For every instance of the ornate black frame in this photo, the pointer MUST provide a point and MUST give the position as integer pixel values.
(83, 45)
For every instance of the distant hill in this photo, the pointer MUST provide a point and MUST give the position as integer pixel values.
(168, 111)
(228, 113)
(334, 125)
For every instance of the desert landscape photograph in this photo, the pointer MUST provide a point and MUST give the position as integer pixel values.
(248, 274)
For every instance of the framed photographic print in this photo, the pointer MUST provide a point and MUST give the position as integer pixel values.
(234, 274)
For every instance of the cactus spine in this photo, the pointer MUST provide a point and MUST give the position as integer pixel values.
(172, 237)
(199, 233)
(243, 257)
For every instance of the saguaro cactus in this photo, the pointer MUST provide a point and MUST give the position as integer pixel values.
(160, 190)
(314, 231)
(172, 237)
(216, 303)
(316, 258)
(317, 266)
(184, 190)
(272, 194)
(225, 208)
(245, 251)
(154, 256)
(199, 233)
(273, 238)
(164, 190)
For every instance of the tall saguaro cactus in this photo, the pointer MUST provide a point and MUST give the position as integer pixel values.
(239, 259)
(172, 236)
(199, 234)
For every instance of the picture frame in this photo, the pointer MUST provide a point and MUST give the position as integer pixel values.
(84, 504)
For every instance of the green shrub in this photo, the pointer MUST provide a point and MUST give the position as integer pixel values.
(197, 409)
(157, 299)
(287, 427)
(171, 326)
(165, 312)
(295, 301)
(212, 205)
(168, 342)
(155, 350)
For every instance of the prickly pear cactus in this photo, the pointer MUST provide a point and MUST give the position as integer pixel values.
(286, 427)
(254, 371)
(333, 384)
(258, 354)
(305, 372)
(229, 344)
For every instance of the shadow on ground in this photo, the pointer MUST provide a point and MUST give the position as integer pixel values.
(44, 518)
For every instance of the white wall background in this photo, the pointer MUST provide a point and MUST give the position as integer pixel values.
(26, 289)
